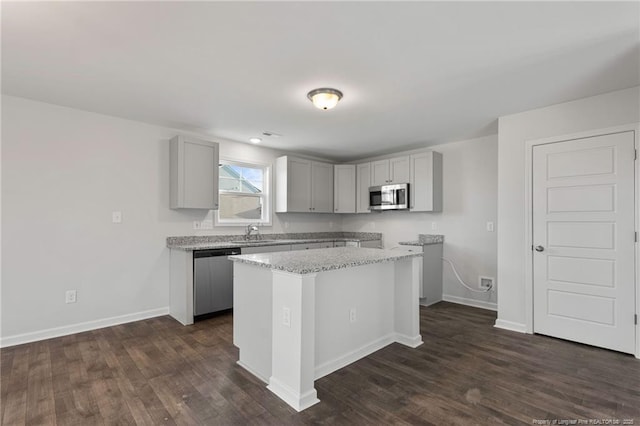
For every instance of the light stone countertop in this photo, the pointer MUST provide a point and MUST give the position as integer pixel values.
(192, 242)
(424, 240)
(319, 260)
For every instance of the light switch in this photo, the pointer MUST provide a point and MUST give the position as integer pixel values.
(490, 226)
(116, 217)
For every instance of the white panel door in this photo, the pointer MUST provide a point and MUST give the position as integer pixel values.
(583, 233)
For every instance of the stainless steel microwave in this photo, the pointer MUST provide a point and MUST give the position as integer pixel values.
(389, 197)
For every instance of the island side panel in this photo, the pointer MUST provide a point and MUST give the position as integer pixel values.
(293, 339)
(354, 314)
(181, 285)
(252, 318)
(432, 274)
(406, 301)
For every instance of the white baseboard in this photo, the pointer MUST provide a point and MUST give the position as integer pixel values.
(425, 303)
(350, 357)
(66, 330)
(470, 302)
(412, 342)
(511, 326)
(298, 401)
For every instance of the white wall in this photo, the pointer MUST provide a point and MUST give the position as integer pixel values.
(63, 172)
(608, 110)
(470, 175)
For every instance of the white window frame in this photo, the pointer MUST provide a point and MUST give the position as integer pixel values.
(266, 197)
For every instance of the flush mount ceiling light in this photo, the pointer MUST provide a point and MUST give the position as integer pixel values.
(255, 140)
(324, 98)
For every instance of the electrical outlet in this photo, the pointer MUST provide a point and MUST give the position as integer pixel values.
(434, 226)
(70, 296)
(116, 217)
(352, 315)
(485, 282)
(286, 317)
(286, 225)
(197, 224)
(490, 226)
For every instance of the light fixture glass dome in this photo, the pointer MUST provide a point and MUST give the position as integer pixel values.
(324, 98)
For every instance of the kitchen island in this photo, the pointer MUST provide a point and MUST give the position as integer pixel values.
(299, 316)
(182, 250)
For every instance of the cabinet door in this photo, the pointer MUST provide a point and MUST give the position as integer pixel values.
(193, 174)
(344, 188)
(321, 187)
(426, 182)
(379, 172)
(421, 182)
(363, 181)
(399, 170)
(299, 185)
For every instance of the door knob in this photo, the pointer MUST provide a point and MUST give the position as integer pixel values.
(539, 248)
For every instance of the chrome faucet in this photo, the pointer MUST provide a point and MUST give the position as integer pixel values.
(252, 228)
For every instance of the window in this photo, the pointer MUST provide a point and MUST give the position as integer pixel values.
(244, 194)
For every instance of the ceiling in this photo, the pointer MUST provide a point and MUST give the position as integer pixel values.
(412, 73)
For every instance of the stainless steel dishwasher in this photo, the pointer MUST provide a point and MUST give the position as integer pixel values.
(212, 281)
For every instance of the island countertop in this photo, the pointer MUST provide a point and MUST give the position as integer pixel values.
(319, 260)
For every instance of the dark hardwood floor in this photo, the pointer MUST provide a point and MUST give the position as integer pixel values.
(157, 372)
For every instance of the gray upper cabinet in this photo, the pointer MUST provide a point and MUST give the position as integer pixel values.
(363, 182)
(389, 171)
(303, 186)
(193, 173)
(379, 172)
(321, 187)
(426, 182)
(344, 188)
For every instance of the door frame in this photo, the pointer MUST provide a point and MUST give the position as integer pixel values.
(528, 253)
